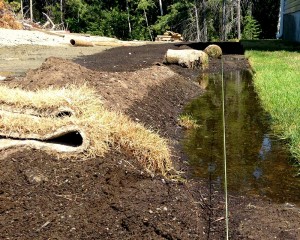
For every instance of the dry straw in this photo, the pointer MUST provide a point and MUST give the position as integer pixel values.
(30, 116)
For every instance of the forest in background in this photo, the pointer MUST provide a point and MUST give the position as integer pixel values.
(196, 20)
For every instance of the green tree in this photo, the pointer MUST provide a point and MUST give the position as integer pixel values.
(176, 18)
(145, 5)
(251, 29)
(114, 24)
(142, 19)
(75, 14)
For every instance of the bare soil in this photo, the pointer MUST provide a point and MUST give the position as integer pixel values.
(16, 60)
(110, 197)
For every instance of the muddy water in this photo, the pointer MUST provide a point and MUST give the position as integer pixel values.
(258, 163)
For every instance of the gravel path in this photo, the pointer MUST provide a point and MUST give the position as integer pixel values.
(10, 37)
(21, 50)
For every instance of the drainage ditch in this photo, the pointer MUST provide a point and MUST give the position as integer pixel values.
(258, 163)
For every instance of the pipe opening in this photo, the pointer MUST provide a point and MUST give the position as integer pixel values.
(70, 139)
(72, 41)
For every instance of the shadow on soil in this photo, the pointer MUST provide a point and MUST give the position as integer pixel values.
(270, 45)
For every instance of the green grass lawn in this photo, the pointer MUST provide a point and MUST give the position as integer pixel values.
(276, 66)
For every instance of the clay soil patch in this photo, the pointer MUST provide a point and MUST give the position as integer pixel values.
(111, 197)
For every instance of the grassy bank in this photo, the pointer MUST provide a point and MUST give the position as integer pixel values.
(277, 80)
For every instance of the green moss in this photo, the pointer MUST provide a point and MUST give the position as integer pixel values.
(213, 51)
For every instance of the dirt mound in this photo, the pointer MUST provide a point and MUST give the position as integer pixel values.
(7, 17)
(105, 197)
(108, 197)
(134, 93)
(101, 198)
(73, 121)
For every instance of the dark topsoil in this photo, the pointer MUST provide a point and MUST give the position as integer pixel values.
(110, 197)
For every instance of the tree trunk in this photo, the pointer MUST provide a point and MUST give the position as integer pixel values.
(161, 8)
(232, 11)
(31, 12)
(128, 18)
(146, 19)
(22, 11)
(239, 19)
(230, 17)
(49, 20)
(224, 37)
(197, 22)
(61, 12)
(204, 20)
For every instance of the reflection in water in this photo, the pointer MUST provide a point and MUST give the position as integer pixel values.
(257, 162)
(266, 147)
(257, 172)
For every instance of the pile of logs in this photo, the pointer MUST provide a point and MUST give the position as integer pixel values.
(169, 36)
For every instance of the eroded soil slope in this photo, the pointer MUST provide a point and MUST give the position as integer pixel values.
(111, 197)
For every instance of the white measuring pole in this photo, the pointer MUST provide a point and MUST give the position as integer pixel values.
(224, 151)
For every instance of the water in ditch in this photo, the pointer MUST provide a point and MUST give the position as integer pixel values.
(258, 162)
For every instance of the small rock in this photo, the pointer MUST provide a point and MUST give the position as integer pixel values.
(289, 205)
(35, 176)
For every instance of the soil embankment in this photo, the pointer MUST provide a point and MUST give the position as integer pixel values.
(109, 197)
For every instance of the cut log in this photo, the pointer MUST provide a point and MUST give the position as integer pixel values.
(81, 43)
(188, 58)
(213, 51)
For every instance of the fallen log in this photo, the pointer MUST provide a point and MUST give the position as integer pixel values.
(81, 43)
(188, 58)
(49, 20)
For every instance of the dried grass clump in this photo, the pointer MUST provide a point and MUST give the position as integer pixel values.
(213, 51)
(28, 114)
(7, 17)
(188, 122)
